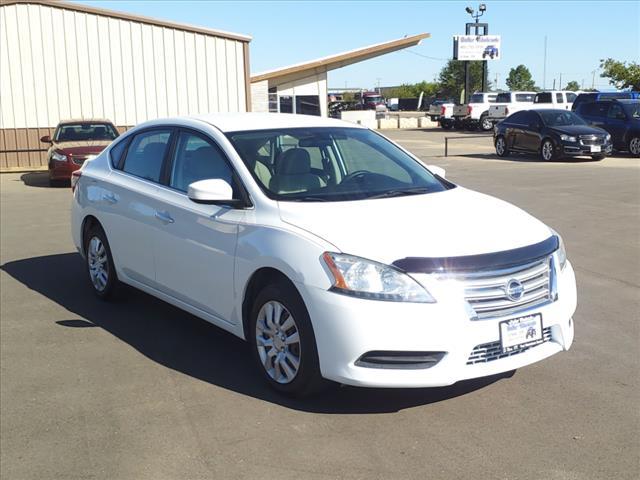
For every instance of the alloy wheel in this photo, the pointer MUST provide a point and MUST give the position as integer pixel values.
(634, 146)
(98, 264)
(278, 342)
(486, 124)
(500, 146)
(547, 150)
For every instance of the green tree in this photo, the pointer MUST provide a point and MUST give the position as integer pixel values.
(573, 86)
(621, 74)
(413, 90)
(451, 79)
(520, 79)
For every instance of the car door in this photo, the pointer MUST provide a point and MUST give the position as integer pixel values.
(129, 204)
(616, 124)
(194, 243)
(514, 131)
(530, 132)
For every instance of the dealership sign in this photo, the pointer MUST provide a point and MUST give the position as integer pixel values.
(477, 47)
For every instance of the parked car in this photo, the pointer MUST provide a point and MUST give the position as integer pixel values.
(596, 96)
(621, 118)
(73, 142)
(554, 99)
(508, 103)
(551, 134)
(490, 51)
(475, 114)
(299, 235)
(435, 108)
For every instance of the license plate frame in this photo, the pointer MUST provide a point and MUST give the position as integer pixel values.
(520, 332)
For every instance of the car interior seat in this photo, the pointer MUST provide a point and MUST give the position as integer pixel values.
(293, 173)
(203, 163)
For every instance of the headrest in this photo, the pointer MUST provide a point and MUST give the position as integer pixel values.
(295, 161)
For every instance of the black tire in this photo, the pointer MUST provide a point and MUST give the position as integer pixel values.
(108, 290)
(307, 379)
(446, 125)
(547, 150)
(485, 124)
(501, 146)
(634, 146)
(598, 157)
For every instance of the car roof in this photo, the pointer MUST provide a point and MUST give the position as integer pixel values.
(85, 120)
(540, 110)
(236, 122)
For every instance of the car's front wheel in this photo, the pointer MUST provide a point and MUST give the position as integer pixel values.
(485, 123)
(546, 150)
(99, 263)
(283, 341)
(634, 146)
(501, 146)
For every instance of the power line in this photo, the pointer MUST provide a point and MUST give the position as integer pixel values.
(427, 56)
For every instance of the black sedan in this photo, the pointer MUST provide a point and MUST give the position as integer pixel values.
(551, 134)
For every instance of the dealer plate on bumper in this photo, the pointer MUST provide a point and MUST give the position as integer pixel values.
(520, 332)
(596, 148)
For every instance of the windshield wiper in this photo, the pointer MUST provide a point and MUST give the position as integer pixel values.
(400, 192)
(306, 198)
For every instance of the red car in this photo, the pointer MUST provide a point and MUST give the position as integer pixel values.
(73, 142)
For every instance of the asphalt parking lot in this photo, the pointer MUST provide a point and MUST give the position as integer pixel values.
(137, 389)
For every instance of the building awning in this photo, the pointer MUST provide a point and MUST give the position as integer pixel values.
(323, 65)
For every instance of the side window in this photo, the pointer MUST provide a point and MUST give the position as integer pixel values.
(196, 158)
(571, 97)
(616, 112)
(517, 118)
(543, 97)
(559, 98)
(528, 118)
(117, 151)
(146, 153)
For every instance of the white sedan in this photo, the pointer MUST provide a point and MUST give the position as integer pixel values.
(336, 253)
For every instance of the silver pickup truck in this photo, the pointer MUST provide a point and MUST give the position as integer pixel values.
(475, 114)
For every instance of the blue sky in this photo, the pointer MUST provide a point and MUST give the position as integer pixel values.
(579, 33)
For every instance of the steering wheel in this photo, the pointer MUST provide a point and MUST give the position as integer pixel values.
(357, 175)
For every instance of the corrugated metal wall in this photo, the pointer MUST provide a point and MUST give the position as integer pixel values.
(58, 64)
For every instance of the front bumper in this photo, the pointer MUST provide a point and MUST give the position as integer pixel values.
(62, 170)
(346, 328)
(577, 150)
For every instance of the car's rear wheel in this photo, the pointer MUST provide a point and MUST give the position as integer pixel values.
(99, 263)
(501, 146)
(283, 341)
(634, 146)
(547, 150)
(485, 123)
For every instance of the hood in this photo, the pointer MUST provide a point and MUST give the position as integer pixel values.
(455, 222)
(85, 147)
(578, 130)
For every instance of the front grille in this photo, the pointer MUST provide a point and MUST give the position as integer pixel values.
(588, 140)
(488, 352)
(486, 291)
(78, 160)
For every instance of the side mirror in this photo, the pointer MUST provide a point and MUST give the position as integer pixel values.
(213, 191)
(437, 170)
(45, 139)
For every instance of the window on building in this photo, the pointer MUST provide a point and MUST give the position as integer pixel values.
(308, 104)
(286, 104)
(273, 99)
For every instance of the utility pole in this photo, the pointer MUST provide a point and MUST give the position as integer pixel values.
(582, 85)
(477, 27)
(593, 80)
(544, 67)
(554, 84)
(560, 86)
(378, 83)
(495, 86)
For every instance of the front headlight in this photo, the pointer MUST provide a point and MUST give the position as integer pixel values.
(568, 138)
(608, 137)
(562, 252)
(59, 157)
(362, 278)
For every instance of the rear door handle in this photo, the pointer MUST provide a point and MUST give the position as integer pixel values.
(164, 217)
(110, 198)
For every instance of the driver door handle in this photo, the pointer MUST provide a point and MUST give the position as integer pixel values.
(110, 198)
(164, 217)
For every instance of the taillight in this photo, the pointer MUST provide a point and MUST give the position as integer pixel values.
(443, 110)
(75, 176)
(469, 108)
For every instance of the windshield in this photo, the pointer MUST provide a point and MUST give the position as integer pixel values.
(74, 132)
(633, 110)
(560, 118)
(373, 99)
(331, 164)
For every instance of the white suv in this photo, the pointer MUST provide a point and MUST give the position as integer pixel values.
(336, 253)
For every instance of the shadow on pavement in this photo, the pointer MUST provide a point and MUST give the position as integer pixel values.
(41, 179)
(182, 342)
(524, 157)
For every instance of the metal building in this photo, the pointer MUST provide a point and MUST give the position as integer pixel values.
(60, 61)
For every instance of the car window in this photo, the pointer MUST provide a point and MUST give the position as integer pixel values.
(543, 97)
(503, 98)
(360, 156)
(616, 112)
(146, 154)
(117, 151)
(559, 98)
(517, 118)
(528, 118)
(525, 97)
(196, 158)
(571, 97)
